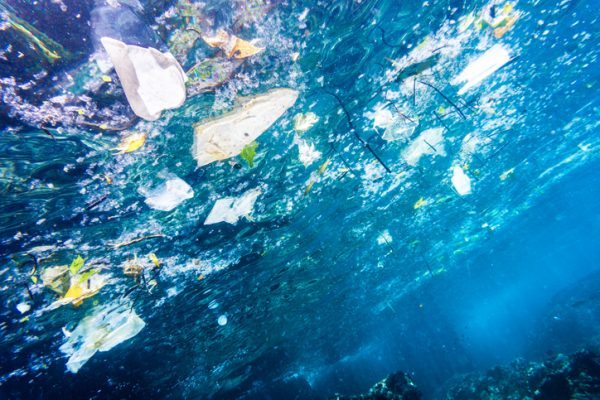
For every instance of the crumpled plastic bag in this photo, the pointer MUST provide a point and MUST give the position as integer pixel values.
(430, 141)
(231, 209)
(460, 181)
(482, 67)
(169, 194)
(152, 81)
(101, 331)
(227, 135)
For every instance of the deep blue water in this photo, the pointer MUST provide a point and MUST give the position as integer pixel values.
(351, 267)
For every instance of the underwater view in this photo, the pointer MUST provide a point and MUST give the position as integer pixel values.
(300, 199)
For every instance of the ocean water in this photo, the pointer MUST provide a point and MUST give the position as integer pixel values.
(360, 256)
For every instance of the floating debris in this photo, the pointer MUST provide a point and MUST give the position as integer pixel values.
(23, 307)
(227, 135)
(104, 329)
(232, 46)
(460, 181)
(222, 320)
(131, 143)
(169, 194)
(430, 141)
(303, 122)
(152, 81)
(482, 67)
(231, 209)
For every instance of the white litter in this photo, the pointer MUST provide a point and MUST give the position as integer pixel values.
(100, 331)
(307, 153)
(460, 181)
(23, 307)
(395, 126)
(169, 195)
(152, 81)
(430, 141)
(482, 67)
(222, 321)
(231, 209)
(227, 135)
(303, 122)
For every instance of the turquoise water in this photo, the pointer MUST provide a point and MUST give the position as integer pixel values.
(359, 263)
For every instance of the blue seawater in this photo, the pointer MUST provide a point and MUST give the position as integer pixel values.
(356, 264)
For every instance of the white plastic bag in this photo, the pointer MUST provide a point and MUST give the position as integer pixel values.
(152, 81)
(101, 331)
(231, 209)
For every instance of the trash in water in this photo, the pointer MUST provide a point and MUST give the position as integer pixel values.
(101, 331)
(57, 279)
(23, 307)
(307, 153)
(208, 74)
(227, 135)
(82, 286)
(169, 194)
(231, 209)
(222, 321)
(460, 181)
(430, 141)
(131, 143)
(303, 122)
(76, 265)
(232, 46)
(152, 81)
(395, 126)
(482, 67)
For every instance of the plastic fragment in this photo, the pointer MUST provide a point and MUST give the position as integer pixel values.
(57, 279)
(23, 307)
(482, 67)
(101, 331)
(307, 153)
(227, 135)
(222, 320)
(430, 141)
(154, 260)
(303, 122)
(460, 181)
(152, 81)
(231, 209)
(233, 46)
(80, 290)
(169, 194)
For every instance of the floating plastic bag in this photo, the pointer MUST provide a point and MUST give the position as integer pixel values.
(231, 209)
(460, 181)
(482, 67)
(430, 141)
(170, 194)
(101, 331)
(153, 81)
(226, 136)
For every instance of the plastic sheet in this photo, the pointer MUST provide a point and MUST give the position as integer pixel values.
(101, 331)
(153, 81)
(169, 195)
(231, 209)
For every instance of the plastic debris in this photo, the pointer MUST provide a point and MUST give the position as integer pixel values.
(430, 141)
(222, 321)
(226, 136)
(460, 181)
(208, 74)
(57, 279)
(101, 331)
(231, 209)
(395, 126)
(152, 81)
(23, 307)
(232, 46)
(131, 143)
(307, 153)
(82, 287)
(482, 67)
(169, 195)
(76, 265)
(303, 122)
(507, 174)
